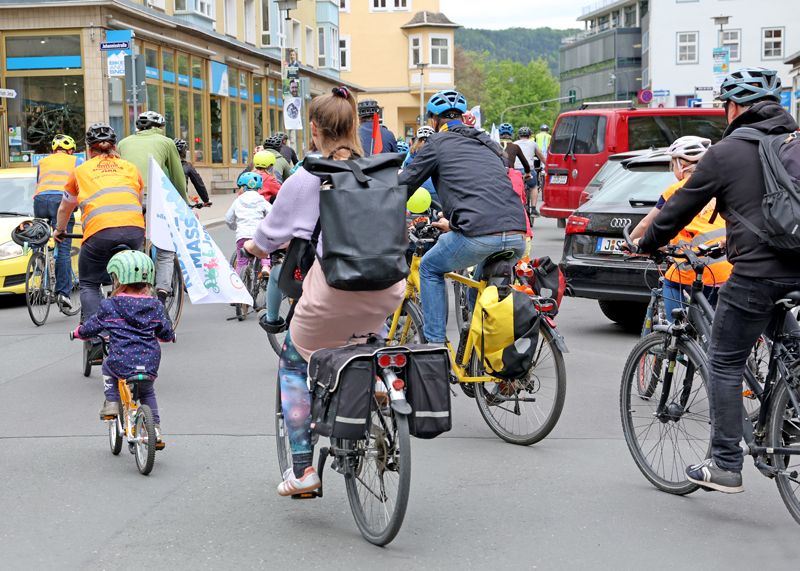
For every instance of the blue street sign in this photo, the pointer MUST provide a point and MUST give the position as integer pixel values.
(111, 46)
(661, 93)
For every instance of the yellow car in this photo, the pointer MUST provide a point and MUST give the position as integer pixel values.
(16, 205)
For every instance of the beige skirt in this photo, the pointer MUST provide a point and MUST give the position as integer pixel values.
(329, 317)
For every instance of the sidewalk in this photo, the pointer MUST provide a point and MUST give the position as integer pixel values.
(214, 215)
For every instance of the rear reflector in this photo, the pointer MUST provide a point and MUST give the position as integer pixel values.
(576, 224)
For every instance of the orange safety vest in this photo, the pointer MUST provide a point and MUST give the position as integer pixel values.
(700, 231)
(54, 171)
(109, 194)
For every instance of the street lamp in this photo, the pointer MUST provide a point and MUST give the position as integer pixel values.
(720, 21)
(421, 67)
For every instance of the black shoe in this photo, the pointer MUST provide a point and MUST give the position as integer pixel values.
(162, 296)
(273, 327)
(707, 475)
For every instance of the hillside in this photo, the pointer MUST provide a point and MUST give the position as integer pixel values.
(518, 44)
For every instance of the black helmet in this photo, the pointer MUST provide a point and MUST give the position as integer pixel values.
(368, 108)
(750, 85)
(100, 133)
(524, 132)
(181, 145)
(149, 119)
(544, 127)
(34, 232)
(274, 141)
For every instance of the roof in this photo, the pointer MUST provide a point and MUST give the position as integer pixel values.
(426, 18)
(793, 59)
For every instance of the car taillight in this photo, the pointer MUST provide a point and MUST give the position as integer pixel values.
(576, 224)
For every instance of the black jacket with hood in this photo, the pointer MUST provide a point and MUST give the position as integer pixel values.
(731, 172)
(471, 180)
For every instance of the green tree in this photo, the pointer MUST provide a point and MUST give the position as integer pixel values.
(470, 72)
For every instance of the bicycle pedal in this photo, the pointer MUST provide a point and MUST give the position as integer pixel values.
(161, 445)
(307, 495)
(109, 418)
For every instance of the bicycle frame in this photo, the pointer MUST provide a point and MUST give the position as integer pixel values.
(129, 408)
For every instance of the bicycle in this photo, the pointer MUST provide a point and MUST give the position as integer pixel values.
(255, 282)
(377, 469)
(40, 282)
(537, 399)
(676, 396)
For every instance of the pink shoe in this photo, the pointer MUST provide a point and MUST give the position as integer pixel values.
(291, 485)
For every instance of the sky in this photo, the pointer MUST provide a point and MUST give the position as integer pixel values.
(500, 14)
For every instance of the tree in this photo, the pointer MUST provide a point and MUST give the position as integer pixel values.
(470, 75)
(508, 83)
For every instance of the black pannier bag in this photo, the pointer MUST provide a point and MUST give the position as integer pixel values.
(428, 390)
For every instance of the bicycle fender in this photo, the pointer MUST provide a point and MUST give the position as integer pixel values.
(557, 337)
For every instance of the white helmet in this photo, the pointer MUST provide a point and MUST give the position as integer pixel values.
(689, 148)
(424, 132)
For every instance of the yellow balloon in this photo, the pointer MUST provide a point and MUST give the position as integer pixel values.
(419, 202)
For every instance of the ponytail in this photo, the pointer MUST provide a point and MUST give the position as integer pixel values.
(335, 116)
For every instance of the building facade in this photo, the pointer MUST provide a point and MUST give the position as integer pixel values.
(211, 67)
(400, 52)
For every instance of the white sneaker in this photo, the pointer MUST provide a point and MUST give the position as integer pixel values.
(291, 485)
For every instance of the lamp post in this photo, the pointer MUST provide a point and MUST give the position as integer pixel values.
(421, 67)
(720, 21)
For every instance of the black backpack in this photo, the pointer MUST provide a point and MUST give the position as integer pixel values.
(363, 221)
(780, 160)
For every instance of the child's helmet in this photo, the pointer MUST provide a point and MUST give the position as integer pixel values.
(263, 160)
(402, 147)
(132, 267)
(249, 180)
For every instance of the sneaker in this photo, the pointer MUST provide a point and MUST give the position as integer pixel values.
(707, 475)
(159, 443)
(535, 212)
(162, 296)
(110, 409)
(64, 301)
(277, 326)
(292, 486)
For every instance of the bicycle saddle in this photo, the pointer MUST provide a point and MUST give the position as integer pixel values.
(140, 378)
(499, 265)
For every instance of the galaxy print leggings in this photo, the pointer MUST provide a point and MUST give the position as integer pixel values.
(296, 405)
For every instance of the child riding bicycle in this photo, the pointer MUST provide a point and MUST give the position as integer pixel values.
(246, 212)
(135, 322)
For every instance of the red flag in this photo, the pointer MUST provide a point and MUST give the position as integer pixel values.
(377, 139)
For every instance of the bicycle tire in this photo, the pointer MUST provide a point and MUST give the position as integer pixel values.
(37, 294)
(87, 362)
(548, 374)
(115, 432)
(276, 339)
(281, 434)
(409, 326)
(784, 431)
(174, 305)
(395, 458)
(145, 433)
(684, 398)
(74, 296)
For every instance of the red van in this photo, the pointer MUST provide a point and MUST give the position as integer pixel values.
(584, 139)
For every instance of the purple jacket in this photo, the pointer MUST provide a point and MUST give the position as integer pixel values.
(135, 324)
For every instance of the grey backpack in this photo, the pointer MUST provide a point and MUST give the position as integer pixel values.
(780, 160)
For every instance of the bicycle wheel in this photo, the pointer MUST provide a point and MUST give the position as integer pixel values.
(246, 275)
(378, 476)
(281, 434)
(409, 325)
(115, 432)
(87, 361)
(663, 445)
(461, 304)
(276, 339)
(784, 431)
(145, 434)
(174, 305)
(74, 296)
(524, 411)
(37, 292)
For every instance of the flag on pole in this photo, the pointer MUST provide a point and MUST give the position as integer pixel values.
(377, 138)
(476, 112)
(208, 276)
(494, 134)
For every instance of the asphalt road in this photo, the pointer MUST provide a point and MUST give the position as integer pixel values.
(573, 501)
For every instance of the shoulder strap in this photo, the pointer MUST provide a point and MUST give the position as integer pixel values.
(747, 224)
(747, 134)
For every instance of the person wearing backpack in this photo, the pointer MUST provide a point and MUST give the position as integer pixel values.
(732, 172)
(324, 316)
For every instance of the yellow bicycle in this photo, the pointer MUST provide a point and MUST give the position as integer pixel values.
(522, 411)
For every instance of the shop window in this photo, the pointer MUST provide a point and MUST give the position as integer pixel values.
(234, 132)
(168, 69)
(199, 125)
(151, 63)
(244, 140)
(153, 102)
(183, 115)
(197, 74)
(43, 52)
(183, 70)
(169, 112)
(215, 110)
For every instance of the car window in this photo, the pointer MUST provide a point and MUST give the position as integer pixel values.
(605, 173)
(648, 131)
(640, 184)
(562, 135)
(16, 195)
(589, 131)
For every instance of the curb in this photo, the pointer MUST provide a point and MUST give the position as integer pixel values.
(213, 223)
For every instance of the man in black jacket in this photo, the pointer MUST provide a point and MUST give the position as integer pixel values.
(366, 113)
(482, 213)
(731, 172)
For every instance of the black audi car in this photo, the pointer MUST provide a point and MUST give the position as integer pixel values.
(593, 263)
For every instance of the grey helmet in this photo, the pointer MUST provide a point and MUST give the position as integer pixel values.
(368, 108)
(149, 119)
(751, 84)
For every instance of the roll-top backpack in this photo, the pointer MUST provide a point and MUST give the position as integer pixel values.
(362, 218)
(780, 161)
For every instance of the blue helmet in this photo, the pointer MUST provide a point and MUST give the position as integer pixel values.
(750, 85)
(402, 147)
(447, 100)
(506, 130)
(249, 180)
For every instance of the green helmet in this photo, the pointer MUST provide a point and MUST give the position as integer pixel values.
(132, 267)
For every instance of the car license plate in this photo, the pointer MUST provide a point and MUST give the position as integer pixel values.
(558, 179)
(610, 245)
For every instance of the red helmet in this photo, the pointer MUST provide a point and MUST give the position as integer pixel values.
(469, 119)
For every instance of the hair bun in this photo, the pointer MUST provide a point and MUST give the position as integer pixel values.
(341, 91)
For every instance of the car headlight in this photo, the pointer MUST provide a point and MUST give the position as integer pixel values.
(10, 250)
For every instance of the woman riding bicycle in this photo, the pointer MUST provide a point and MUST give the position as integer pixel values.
(324, 316)
(108, 190)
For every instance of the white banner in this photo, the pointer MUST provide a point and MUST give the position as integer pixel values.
(292, 113)
(173, 226)
(476, 111)
(494, 134)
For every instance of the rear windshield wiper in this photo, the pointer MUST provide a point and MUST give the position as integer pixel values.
(9, 213)
(639, 202)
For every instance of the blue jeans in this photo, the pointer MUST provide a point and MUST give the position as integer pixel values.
(673, 295)
(46, 206)
(454, 251)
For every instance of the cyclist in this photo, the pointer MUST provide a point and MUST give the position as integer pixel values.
(191, 173)
(149, 141)
(731, 172)
(535, 158)
(423, 133)
(366, 112)
(705, 228)
(513, 153)
(324, 316)
(108, 190)
(286, 151)
(264, 166)
(543, 138)
(282, 168)
(246, 212)
(478, 219)
(52, 173)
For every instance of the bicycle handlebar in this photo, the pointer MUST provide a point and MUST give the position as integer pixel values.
(680, 251)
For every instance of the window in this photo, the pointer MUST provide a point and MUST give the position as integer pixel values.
(203, 7)
(645, 41)
(656, 131)
(334, 52)
(414, 50)
(344, 53)
(309, 55)
(266, 38)
(440, 51)
(401, 4)
(321, 47)
(230, 17)
(687, 47)
(296, 37)
(588, 132)
(344, 5)
(772, 43)
(645, 77)
(630, 16)
(180, 5)
(379, 4)
(250, 21)
(731, 39)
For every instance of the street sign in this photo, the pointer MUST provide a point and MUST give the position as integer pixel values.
(661, 93)
(645, 96)
(111, 46)
(694, 102)
(10, 93)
